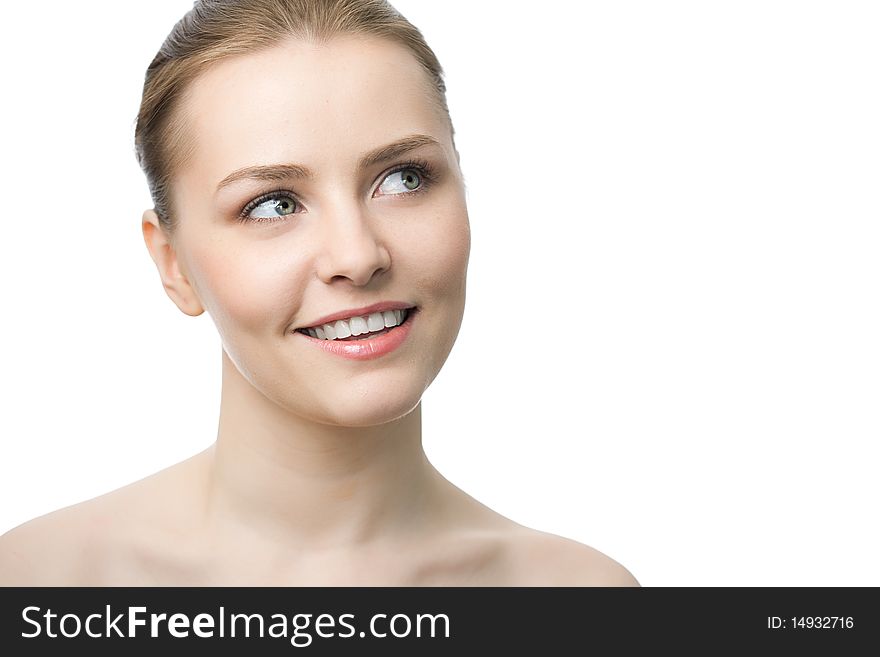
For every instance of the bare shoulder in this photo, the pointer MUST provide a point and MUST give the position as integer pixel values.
(542, 559)
(85, 544)
(52, 549)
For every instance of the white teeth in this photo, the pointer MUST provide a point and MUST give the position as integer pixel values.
(375, 322)
(344, 328)
(358, 325)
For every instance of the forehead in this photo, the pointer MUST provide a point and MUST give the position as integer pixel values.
(303, 102)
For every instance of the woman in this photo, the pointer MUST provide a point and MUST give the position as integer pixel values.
(308, 196)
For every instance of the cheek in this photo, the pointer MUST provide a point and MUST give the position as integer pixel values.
(441, 280)
(441, 250)
(247, 288)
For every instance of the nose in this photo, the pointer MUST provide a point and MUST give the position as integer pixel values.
(351, 247)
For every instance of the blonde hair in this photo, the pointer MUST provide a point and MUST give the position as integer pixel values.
(216, 29)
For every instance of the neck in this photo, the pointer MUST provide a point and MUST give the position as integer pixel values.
(275, 474)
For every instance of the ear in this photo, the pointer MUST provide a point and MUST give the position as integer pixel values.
(175, 281)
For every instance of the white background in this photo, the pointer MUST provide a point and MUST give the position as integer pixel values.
(670, 345)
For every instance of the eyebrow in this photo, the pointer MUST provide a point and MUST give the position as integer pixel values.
(279, 172)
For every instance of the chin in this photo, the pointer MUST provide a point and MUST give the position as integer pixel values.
(351, 405)
(370, 410)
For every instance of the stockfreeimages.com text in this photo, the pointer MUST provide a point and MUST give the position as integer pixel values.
(135, 622)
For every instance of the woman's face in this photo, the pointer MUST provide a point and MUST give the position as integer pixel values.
(338, 230)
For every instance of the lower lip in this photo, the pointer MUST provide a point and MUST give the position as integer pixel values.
(369, 348)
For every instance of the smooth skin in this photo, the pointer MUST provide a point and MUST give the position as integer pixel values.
(318, 476)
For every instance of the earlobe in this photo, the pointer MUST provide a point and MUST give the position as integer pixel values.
(174, 280)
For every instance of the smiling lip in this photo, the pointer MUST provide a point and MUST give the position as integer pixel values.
(368, 347)
(359, 312)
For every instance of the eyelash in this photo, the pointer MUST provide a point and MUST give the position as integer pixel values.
(425, 170)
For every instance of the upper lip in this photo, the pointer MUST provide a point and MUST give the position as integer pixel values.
(357, 312)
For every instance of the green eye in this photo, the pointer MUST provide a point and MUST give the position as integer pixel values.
(402, 181)
(271, 206)
(411, 179)
(284, 206)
